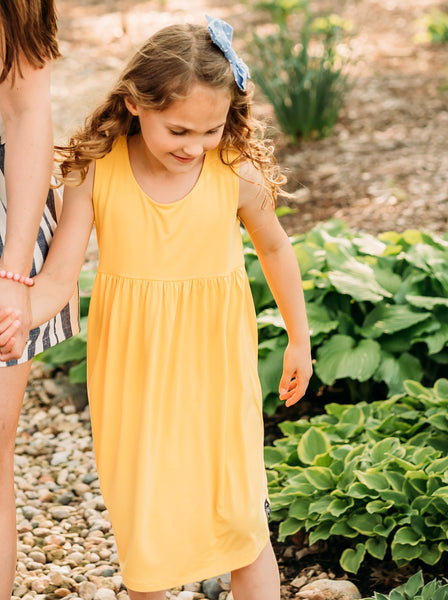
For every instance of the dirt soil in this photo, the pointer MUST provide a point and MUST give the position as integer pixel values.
(385, 167)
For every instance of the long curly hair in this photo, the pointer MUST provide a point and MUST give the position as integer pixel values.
(27, 28)
(162, 72)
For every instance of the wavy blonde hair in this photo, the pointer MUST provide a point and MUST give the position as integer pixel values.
(164, 71)
(27, 28)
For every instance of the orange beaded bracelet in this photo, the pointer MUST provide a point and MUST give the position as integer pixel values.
(16, 277)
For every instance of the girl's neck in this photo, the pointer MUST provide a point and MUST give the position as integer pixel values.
(161, 184)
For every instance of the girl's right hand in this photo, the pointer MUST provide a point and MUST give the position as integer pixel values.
(9, 325)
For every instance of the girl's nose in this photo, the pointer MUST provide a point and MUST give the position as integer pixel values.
(194, 149)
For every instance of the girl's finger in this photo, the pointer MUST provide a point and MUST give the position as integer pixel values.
(5, 352)
(7, 317)
(8, 333)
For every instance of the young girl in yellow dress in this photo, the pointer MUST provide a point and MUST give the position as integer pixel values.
(168, 168)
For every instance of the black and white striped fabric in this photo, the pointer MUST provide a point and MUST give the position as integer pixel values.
(66, 323)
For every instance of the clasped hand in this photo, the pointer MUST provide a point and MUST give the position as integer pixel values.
(15, 319)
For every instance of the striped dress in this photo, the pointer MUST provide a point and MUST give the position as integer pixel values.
(66, 323)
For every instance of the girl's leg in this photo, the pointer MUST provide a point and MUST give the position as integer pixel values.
(147, 595)
(258, 581)
(12, 388)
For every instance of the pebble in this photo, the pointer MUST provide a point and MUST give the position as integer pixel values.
(329, 589)
(105, 594)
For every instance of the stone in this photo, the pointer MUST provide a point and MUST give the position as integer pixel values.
(105, 594)
(61, 512)
(193, 587)
(38, 557)
(329, 589)
(87, 590)
(212, 588)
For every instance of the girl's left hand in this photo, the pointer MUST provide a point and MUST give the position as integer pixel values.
(297, 371)
(9, 325)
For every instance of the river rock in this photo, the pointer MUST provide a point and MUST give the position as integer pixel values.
(329, 589)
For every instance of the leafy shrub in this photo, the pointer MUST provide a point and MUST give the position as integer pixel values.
(377, 309)
(375, 474)
(415, 589)
(302, 75)
(281, 10)
(435, 27)
(74, 350)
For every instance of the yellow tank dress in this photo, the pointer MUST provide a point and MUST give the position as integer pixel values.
(172, 375)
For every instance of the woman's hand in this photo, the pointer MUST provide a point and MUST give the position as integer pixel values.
(297, 371)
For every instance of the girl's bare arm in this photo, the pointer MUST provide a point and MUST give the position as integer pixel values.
(282, 273)
(56, 282)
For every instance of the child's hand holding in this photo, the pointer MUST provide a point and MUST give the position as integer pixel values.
(9, 325)
(297, 371)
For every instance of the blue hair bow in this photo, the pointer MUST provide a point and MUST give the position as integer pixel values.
(222, 34)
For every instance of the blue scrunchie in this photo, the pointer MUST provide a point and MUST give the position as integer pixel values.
(222, 34)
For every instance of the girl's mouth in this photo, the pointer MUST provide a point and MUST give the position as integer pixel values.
(183, 159)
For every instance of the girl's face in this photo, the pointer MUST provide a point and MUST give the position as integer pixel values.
(176, 139)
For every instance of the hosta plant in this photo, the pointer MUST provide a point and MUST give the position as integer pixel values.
(374, 476)
(415, 589)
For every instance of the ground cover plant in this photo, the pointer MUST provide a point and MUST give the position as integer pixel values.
(415, 589)
(372, 474)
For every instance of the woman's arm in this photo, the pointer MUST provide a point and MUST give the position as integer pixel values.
(282, 273)
(56, 282)
(26, 113)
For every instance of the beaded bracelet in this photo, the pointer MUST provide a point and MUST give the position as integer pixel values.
(16, 277)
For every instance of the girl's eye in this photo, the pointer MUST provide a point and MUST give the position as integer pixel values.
(212, 131)
(177, 132)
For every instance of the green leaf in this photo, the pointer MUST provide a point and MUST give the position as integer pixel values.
(312, 444)
(377, 547)
(426, 301)
(289, 527)
(441, 389)
(394, 371)
(389, 318)
(319, 320)
(374, 481)
(365, 523)
(273, 456)
(339, 506)
(339, 358)
(78, 373)
(309, 257)
(357, 280)
(86, 280)
(299, 509)
(407, 536)
(321, 532)
(320, 477)
(344, 529)
(351, 559)
(414, 585)
(405, 553)
(270, 316)
(270, 370)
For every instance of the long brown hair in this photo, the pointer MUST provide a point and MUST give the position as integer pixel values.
(28, 29)
(163, 71)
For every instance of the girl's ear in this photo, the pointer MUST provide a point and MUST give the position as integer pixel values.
(131, 106)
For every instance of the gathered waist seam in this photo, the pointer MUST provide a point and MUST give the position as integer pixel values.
(178, 280)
